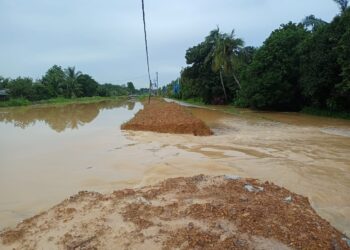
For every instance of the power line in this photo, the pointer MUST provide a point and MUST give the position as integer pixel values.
(144, 29)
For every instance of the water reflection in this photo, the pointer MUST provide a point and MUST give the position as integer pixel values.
(131, 105)
(59, 118)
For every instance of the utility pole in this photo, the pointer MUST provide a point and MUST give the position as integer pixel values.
(180, 79)
(157, 81)
(146, 46)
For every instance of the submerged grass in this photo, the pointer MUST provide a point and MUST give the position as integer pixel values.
(58, 101)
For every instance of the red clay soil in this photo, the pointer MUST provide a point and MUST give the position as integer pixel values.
(163, 117)
(199, 212)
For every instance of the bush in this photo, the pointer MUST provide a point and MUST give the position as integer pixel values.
(15, 102)
(271, 81)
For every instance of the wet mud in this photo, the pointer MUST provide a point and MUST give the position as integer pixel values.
(200, 212)
(162, 117)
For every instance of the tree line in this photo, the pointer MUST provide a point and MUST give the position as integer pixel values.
(60, 117)
(59, 82)
(299, 65)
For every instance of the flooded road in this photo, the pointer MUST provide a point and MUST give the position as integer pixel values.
(50, 153)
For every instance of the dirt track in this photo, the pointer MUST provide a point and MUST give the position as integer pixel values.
(159, 116)
(200, 212)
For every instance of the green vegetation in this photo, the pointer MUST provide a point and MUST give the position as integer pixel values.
(271, 81)
(142, 97)
(300, 67)
(131, 88)
(59, 101)
(195, 101)
(59, 86)
(212, 74)
(328, 113)
(15, 102)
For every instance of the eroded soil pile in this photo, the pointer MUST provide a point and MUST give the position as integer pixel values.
(185, 213)
(163, 117)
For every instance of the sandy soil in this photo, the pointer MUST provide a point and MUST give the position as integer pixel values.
(200, 212)
(159, 116)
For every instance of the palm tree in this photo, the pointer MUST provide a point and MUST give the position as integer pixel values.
(223, 55)
(313, 22)
(343, 4)
(72, 86)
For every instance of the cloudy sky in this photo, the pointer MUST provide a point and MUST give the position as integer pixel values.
(104, 38)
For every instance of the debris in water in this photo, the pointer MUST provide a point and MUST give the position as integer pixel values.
(142, 200)
(232, 177)
(251, 188)
(288, 199)
(347, 241)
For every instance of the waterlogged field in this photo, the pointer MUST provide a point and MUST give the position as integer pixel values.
(51, 152)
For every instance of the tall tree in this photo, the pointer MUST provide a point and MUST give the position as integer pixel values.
(131, 88)
(87, 84)
(210, 64)
(21, 87)
(223, 55)
(73, 88)
(272, 79)
(325, 66)
(3, 82)
(313, 22)
(53, 80)
(343, 4)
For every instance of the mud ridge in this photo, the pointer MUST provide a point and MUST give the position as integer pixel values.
(201, 212)
(163, 117)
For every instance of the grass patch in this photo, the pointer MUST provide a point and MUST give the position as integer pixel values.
(59, 101)
(143, 98)
(63, 101)
(232, 110)
(194, 101)
(15, 102)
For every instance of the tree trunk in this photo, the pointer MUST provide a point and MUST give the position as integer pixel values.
(223, 86)
(236, 79)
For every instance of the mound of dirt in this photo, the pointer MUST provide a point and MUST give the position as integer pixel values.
(200, 212)
(162, 117)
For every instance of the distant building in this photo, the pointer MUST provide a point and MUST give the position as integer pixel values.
(4, 95)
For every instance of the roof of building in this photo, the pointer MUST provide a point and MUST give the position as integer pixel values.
(4, 92)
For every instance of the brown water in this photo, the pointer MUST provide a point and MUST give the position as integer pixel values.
(50, 153)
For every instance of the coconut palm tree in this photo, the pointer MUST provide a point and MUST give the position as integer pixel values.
(73, 88)
(313, 22)
(343, 4)
(223, 55)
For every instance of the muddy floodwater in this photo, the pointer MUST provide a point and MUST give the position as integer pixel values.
(48, 153)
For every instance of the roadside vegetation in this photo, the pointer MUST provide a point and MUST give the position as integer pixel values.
(59, 85)
(58, 101)
(300, 67)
